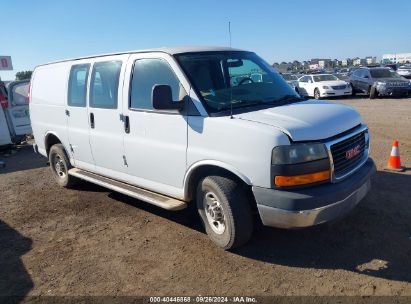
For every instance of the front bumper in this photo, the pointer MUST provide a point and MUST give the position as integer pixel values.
(384, 90)
(315, 205)
(330, 92)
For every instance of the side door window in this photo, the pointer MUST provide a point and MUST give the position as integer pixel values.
(147, 73)
(104, 84)
(77, 88)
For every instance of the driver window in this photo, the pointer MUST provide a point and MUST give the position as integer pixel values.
(244, 71)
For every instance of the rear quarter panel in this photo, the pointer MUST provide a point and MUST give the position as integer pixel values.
(48, 94)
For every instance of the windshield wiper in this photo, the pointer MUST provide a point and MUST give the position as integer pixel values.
(287, 99)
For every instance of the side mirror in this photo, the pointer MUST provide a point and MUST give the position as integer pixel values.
(162, 98)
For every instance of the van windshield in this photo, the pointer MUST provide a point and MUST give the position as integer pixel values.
(237, 79)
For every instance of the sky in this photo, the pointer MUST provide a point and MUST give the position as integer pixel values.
(41, 31)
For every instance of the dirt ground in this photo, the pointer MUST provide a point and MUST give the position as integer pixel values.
(92, 241)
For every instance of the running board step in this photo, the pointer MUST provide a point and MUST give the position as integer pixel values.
(153, 198)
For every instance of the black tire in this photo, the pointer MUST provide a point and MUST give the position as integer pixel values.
(317, 94)
(231, 202)
(60, 165)
(373, 92)
(352, 90)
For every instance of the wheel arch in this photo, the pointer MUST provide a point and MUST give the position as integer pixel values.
(50, 139)
(205, 168)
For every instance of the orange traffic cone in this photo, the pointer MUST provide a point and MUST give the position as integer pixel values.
(394, 163)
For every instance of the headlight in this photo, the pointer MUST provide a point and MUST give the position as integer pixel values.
(380, 84)
(298, 153)
(326, 87)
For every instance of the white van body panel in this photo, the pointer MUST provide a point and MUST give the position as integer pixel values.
(242, 145)
(48, 97)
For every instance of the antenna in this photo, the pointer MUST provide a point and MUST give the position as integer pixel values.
(229, 31)
(231, 87)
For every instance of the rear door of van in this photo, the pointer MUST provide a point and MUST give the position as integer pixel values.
(4, 129)
(18, 111)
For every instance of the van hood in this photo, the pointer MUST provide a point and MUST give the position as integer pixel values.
(307, 120)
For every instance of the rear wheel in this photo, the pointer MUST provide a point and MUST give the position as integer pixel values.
(225, 212)
(60, 165)
(317, 94)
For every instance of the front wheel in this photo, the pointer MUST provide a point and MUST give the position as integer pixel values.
(60, 165)
(352, 90)
(317, 94)
(225, 212)
(373, 92)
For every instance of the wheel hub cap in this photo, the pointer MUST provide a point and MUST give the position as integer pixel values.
(60, 167)
(214, 213)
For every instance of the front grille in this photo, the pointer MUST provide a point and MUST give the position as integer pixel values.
(340, 87)
(348, 154)
(397, 84)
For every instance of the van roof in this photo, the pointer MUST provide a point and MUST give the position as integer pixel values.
(168, 50)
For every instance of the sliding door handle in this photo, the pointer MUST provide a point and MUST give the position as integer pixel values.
(92, 120)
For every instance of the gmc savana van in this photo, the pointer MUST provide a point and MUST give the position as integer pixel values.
(176, 126)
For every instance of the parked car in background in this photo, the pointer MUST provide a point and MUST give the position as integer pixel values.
(323, 85)
(392, 66)
(291, 79)
(342, 72)
(17, 110)
(405, 71)
(381, 81)
(342, 76)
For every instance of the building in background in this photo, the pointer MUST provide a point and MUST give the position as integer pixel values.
(359, 61)
(346, 62)
(369, 60)
(396, 58)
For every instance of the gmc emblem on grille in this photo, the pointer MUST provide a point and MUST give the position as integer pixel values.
(352, 152)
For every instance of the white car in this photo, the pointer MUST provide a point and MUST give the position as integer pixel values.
(404, 71)
(171, 127)
(323, 85)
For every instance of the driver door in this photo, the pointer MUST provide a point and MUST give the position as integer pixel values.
(155, 141)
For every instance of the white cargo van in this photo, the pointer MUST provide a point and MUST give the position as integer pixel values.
(176, 126)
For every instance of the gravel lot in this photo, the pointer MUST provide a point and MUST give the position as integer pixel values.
(91, 241)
